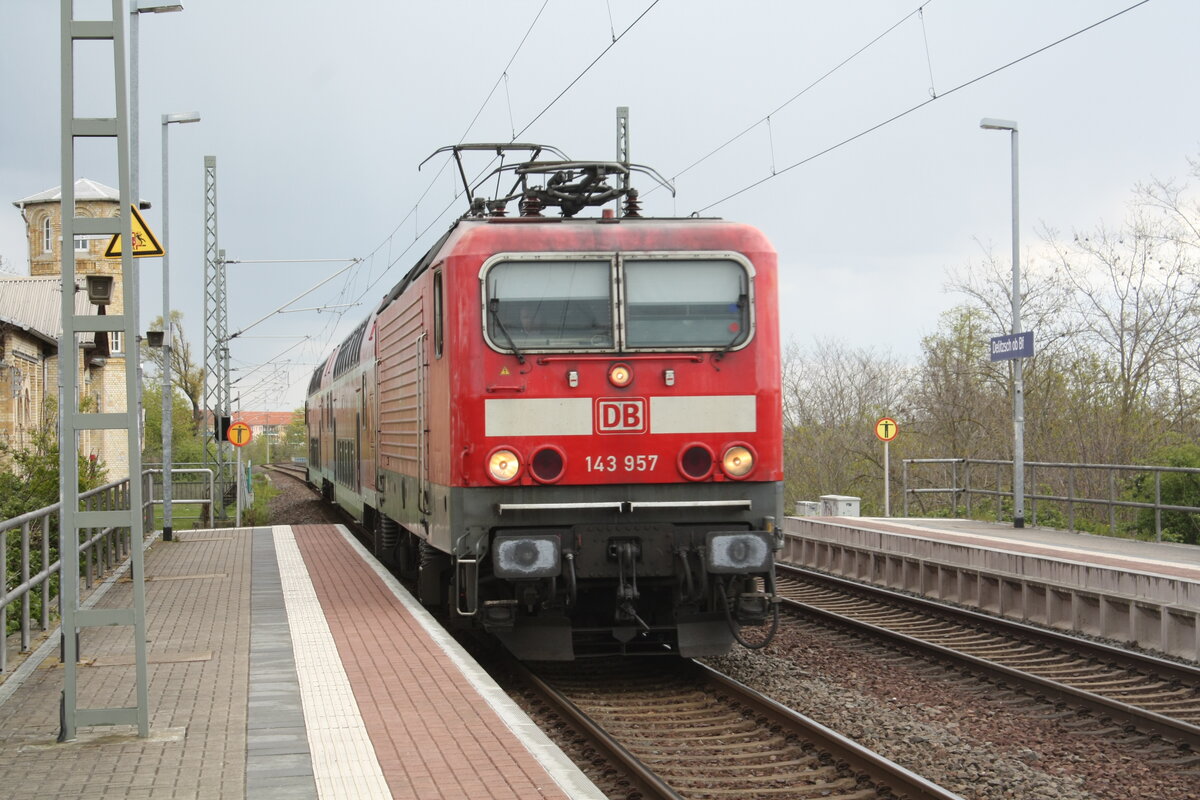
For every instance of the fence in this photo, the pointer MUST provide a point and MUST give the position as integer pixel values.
(197, 488)
(1067, 476)
(100, 550)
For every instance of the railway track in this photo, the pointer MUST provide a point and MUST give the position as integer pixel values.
(291, 470)
(684, 730)
(1153, 695)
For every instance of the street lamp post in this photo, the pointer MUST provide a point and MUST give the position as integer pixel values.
(137, 7)
(1018, 379)
(167, 348)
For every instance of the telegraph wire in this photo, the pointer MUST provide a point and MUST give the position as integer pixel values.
(917, 107)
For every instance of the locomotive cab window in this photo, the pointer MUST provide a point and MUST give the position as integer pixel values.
(688, 301)
(692, 303)
(550, 304)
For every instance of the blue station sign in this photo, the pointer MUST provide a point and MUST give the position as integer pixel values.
(1012, 345)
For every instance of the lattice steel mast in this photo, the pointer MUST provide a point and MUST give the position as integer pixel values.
(216, 342)
(72, 421)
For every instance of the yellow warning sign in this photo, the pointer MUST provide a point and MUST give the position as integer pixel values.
(239, 434)
(886, 429)
(144, 242)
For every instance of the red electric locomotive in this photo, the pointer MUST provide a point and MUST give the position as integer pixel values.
(569, 430)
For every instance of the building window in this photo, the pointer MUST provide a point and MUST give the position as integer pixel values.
(47, 242)
(81, 244)
(114, 342)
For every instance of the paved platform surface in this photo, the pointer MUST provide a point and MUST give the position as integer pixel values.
(282, 665)
(1164, 558)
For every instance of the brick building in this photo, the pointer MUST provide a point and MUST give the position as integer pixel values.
(31, 325)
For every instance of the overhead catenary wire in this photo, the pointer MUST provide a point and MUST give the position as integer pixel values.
(586, 69)
(767, 118)
(412, 211)
(329, 329)
(917, 107)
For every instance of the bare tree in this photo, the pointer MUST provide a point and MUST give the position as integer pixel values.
(186, 375)
(832, 396)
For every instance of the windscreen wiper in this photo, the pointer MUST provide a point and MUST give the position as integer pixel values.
(493, 310)
(741, 305)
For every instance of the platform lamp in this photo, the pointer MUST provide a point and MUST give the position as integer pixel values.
(167, 121)
(99, 289)
(990, 124)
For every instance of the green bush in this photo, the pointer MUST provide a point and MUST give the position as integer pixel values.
(1176, 489)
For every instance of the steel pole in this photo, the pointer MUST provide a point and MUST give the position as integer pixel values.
(1018, 363)
(168, 395)
(1018, 481)
(166, 347)
(133, 104)
(887, 489)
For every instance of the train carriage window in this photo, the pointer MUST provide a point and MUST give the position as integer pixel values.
(686, 303)
(438, 318)
(550, 304)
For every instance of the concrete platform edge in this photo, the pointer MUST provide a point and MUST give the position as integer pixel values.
(562, 771)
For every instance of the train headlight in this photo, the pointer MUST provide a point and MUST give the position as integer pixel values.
(503, 465)
(739, 552)
(526, 556)
(620, 375)
(737, 461)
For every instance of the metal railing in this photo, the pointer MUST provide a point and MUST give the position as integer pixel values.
(1067, 476)
(183, 492)
(223, 483)
(100, 550)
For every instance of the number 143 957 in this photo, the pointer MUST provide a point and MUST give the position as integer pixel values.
(621, 463)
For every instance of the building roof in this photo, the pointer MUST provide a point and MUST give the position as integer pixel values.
(85, 189)
(35, 305)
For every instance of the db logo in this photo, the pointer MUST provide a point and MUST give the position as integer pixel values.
(621, 416)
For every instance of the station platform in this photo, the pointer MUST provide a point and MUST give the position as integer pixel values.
(1166, 558)
(1144, 593)
(283, 663)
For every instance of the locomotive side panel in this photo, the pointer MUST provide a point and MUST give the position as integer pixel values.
(399, 331)
(399, 334)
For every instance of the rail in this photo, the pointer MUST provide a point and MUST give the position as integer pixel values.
(1065, 474)
(101, 550)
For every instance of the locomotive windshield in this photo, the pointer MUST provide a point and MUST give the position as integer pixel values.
(665, 302)
(550, 304)
(695, 303)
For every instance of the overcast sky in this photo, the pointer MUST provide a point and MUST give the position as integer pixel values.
(319, 114)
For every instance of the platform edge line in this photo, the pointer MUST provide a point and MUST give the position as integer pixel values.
(573, 782)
